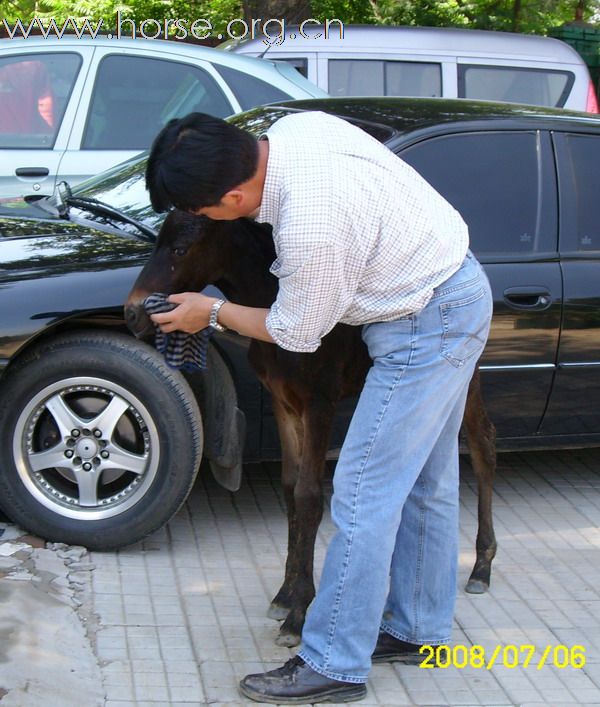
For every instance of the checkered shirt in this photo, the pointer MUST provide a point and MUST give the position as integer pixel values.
(359, 235)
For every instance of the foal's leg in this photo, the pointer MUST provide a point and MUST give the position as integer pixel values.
(481, 438)
(308, 499)
(290, 434)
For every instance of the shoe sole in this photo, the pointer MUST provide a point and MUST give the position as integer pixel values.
(349, 694)
(405, 658)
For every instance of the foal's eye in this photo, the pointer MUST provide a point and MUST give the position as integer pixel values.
(179, 251)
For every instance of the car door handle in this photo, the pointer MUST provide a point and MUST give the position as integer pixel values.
(32, 171)
(527, 298)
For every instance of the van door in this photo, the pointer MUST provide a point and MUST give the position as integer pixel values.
(575, 402)
(503, 184)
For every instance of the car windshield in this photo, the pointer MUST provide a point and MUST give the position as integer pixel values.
(124, 188)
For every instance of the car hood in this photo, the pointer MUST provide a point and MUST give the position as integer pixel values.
(31, 243)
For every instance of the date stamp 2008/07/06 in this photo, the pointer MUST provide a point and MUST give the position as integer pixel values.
(510, 656)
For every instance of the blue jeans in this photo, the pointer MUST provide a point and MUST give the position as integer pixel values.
(392, 562)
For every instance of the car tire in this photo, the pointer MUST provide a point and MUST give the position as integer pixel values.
(100, 441)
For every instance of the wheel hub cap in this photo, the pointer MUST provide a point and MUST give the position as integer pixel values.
(86, 449)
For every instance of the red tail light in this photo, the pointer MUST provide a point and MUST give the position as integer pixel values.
(592, 100)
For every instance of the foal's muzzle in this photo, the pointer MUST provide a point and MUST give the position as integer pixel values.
(138, 321)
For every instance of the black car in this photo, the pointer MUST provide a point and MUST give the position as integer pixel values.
(100, 440)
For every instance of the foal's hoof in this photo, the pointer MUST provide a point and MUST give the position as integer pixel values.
(476, 586)
(278, 612)
(288, 640)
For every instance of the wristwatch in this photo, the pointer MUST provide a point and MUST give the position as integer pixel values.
(214, 311)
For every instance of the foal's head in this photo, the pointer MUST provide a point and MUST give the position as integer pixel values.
(190, 253)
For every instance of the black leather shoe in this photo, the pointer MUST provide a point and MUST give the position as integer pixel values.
(393, 650)
(295, 683)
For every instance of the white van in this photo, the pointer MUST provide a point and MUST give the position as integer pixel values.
(368, 60)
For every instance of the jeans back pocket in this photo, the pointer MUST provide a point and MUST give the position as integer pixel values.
(465, 325)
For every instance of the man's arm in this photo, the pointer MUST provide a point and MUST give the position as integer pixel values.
(193, 314)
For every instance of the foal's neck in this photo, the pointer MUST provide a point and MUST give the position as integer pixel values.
(251, 252)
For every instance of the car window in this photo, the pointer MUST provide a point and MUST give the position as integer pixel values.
(367, 77)
(135, 96)
(34, 92)
(538, 87)
(579, 157)
(249, 90)
(493, 180)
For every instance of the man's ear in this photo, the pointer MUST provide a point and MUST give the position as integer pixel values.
(234, 197)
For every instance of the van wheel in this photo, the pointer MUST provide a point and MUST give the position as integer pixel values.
(100, 441)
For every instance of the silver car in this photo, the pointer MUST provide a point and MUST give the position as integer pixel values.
(71, 108)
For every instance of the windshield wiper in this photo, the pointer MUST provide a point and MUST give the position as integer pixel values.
(101, 209)
(58, 206)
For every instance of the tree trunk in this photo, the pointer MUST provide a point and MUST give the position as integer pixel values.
(292, 11)
(516, 15)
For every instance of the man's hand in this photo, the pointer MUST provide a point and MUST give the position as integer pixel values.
(193, 314)
(190, 316)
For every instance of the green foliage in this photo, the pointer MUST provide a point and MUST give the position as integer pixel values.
(510, 15)
(534, 16)
(219, 12)
(13, 9)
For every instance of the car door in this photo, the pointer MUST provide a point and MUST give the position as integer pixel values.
(503, 184)
(575, 402)
(39, 96)
(132, 97)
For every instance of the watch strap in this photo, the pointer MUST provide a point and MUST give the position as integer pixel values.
(214, 313)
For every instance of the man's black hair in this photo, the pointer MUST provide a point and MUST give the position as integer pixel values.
(197, 159)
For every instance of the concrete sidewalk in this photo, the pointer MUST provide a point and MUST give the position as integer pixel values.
(177, 619)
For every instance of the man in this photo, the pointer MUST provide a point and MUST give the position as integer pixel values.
(360, 238)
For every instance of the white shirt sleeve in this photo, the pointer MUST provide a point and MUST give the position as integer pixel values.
(312, 298)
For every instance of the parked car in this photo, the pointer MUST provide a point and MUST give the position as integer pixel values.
(526, 181)
(381, 60)
(71, 108)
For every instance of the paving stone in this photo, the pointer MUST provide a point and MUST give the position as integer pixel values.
(180, 617)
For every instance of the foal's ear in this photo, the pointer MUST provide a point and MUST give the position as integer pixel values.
(186, 220)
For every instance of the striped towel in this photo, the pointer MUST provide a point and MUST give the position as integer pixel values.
(184, 351)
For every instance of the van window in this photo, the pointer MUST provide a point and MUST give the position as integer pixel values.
(480, 174)
(249, 90)
(34, 92)
(371, 77)
(540, 87)
(135, 96)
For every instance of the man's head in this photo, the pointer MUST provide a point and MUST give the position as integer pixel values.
(202, 164)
